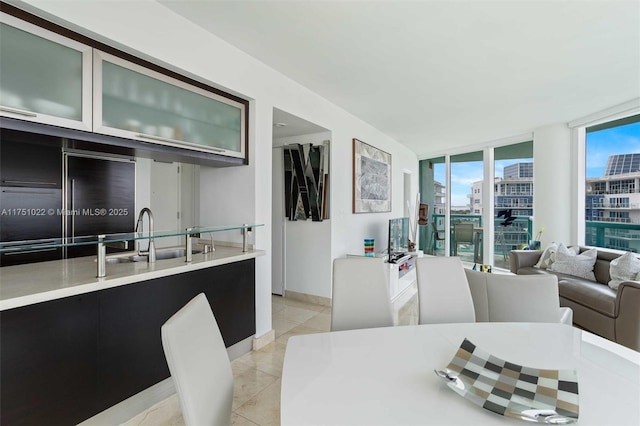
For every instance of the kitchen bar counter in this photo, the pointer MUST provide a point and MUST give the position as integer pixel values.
(28, 284)
(101, 336)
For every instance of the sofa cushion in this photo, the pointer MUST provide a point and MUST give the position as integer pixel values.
(590, 294)
(532, 270)
(571, 250)
(601, 268)
(623, 268)
(545, 258)
(577, 265)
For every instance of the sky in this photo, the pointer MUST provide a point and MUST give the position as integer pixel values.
(600, 145)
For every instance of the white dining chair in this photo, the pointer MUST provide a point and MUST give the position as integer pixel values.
(443, 291)
(517, 298)
(199, 364)
(360, 297)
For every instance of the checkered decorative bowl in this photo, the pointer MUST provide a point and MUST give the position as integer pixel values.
(543, 396)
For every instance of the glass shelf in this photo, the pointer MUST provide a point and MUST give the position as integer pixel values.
(45, 243)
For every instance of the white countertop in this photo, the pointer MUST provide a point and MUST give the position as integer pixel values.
(23, 285)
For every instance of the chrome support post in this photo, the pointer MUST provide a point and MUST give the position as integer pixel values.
(189, 248)
(102, 257)
(246, 229)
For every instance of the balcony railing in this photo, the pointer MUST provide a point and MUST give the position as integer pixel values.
(615, 206)
(507, 238)
(607, 234)
(512, 193)
(618, 219)
(620, 236)
(514, 206)
(613, 191)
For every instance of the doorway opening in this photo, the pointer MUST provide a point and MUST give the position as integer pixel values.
(301, 248)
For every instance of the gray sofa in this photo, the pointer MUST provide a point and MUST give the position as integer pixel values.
(596, 307)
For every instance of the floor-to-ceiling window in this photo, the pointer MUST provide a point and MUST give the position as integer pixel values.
(433, 193)
(509, 202)
(466, 174)
(612, 185)
(513, 200)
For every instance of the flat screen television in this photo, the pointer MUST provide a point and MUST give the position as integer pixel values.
(398, 237)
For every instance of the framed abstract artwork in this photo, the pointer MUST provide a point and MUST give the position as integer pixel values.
(371, 179)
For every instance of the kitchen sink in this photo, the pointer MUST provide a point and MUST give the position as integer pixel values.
(125, 259)
(160, 255)
(173, 253)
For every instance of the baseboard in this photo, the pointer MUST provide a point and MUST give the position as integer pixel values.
(149, 397)
(307, 298)
(134, 405)
(240, 348)
(264, 340)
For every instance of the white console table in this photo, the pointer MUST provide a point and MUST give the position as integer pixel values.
(398, 284)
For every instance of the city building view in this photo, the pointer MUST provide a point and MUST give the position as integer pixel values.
(612, 196)
(612, 205)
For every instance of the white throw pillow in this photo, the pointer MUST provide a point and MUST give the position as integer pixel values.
(578, 265)
(573, 249)
(545, 259)
(623, 268)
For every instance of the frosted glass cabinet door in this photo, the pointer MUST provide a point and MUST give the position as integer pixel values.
(134, 102)
(44, 77)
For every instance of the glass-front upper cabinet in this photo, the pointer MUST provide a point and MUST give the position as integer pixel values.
(44, 77)
(135, 102)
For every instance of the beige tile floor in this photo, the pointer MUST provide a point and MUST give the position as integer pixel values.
(256, 393)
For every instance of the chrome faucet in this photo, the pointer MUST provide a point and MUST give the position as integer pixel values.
(151, 249)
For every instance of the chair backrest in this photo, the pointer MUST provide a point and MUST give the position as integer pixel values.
(478, 286)
(199, 364)
(463, 233)
(523, 298)
(443, 291)
(515, 298)
(436, 232)
(360, 296)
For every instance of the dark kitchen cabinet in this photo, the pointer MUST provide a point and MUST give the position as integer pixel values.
(48, 362)
(100, 196)
(125, 343)
(30, 194)
(29, 160)
(30, 214)
(66, 360)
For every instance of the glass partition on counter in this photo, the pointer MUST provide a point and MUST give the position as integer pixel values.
(124, 241)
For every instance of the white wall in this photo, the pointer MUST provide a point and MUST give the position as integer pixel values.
(241, 194)
(143, 184)
(165, 201)
(553, 181)
(349, 230)
(307, 243)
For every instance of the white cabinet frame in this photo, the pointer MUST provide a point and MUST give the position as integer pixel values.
(99, 127)
(86, 51)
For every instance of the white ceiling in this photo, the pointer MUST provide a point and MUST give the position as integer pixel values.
(293, 125)
(438, 75)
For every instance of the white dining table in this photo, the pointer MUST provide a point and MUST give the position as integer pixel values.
(385, 376)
